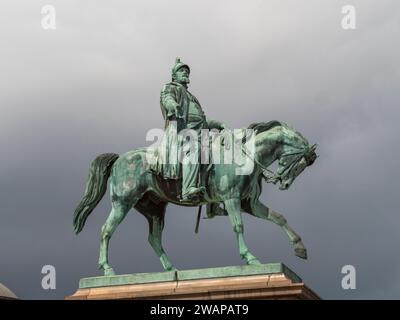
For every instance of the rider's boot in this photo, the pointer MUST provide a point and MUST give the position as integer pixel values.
(193, 194)
(190, 174)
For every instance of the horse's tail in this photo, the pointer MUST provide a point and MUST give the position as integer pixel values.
(96, 186)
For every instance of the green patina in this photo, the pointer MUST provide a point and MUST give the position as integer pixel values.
(149, 188)
(195, 274)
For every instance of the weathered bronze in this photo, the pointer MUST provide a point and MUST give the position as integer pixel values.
(149, 186)
(182, 111)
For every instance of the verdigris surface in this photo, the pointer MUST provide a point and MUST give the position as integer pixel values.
(150, 187)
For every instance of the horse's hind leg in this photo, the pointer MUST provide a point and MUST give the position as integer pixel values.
(156, 226)
(261, 211)
(118, 213)
(233, 208)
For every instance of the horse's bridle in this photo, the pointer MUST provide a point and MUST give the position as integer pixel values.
(307, 152)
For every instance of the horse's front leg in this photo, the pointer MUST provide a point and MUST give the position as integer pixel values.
(233, 208)
(156, 224)
(261, 211)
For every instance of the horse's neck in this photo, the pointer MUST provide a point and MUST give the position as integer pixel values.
(273, 143)
(269, 146)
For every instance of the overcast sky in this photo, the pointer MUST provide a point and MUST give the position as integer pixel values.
(92, 86)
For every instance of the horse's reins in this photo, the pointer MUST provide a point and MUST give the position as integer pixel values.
(274, 177)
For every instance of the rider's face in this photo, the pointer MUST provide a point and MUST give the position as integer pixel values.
(182, 75)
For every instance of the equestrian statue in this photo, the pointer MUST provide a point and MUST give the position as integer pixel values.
(174, 172)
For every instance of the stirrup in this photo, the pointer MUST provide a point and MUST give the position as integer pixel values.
(194, 194)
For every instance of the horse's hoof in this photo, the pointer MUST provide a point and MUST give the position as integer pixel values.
(109, 272)
(301, 253)
(171, 268)
(253, 261)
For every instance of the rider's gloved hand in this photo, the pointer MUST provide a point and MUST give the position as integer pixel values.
(222, 126)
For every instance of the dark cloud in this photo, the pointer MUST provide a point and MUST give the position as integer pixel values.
(92, 86)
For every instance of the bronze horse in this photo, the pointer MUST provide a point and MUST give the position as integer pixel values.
(132, 185)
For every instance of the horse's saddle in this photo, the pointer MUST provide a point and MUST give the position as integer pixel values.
(218, 146)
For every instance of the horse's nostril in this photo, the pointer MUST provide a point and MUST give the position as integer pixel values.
(287, 185)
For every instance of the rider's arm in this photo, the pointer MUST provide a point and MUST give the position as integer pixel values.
(213, 124)
(168, 100)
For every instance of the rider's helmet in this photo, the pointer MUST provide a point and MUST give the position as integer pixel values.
(178, 64)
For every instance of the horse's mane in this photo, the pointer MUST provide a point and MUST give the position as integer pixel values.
(259, 127)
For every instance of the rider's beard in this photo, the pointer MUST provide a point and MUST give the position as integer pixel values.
(185, 80)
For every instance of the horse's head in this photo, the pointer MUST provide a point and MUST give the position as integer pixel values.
(292, 164)
(296, 155)
(279, 141)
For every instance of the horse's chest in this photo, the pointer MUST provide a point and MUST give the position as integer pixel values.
(227, 185)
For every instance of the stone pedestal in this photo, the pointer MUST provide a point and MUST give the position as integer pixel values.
(266, 281)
